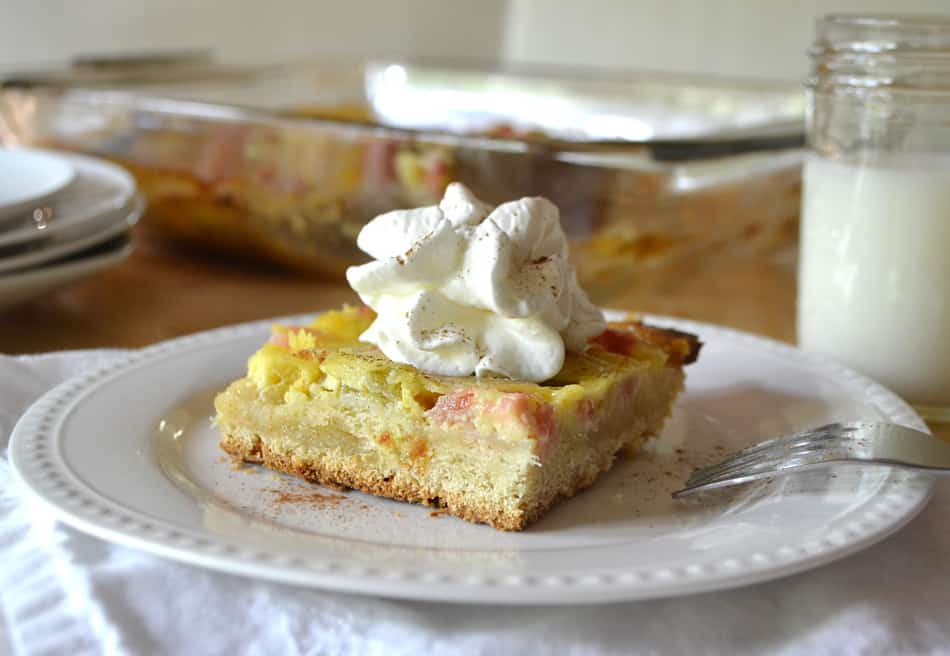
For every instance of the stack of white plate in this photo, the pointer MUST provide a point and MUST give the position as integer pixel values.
(62, 217)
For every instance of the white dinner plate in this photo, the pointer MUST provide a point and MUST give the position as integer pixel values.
(100, 190)
(112, 225)
(21, 286)
(128, 454)
(29, 178)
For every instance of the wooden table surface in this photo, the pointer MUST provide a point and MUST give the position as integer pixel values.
(159, 293)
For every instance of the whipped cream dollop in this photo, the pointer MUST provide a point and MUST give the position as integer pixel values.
(460, 288)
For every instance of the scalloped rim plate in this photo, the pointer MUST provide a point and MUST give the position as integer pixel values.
(127, 454)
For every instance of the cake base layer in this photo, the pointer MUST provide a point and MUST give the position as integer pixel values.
(401, 486)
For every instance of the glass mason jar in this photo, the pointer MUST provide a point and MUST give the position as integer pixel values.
(874, 268)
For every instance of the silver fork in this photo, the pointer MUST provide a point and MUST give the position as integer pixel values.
(856, 442)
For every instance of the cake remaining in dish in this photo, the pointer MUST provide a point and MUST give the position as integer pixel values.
(319, 403)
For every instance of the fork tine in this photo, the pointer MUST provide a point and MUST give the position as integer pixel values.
(816, 452)
(812, 433)
(755, 476)
(777, 445)
(777, 454)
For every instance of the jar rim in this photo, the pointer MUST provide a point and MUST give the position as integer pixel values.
(814, 84)
(882, 33)
(842, 53)
(882, 54)
(918, 21)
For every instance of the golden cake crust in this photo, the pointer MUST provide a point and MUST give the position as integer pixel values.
(325, 471)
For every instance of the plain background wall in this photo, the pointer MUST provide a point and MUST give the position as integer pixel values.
(759, 38)
(39, 31)
(753, 38)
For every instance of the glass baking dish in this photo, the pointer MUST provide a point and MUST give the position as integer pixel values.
(654, 174)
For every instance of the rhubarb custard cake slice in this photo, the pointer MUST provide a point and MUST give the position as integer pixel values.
(479, 378)
(320, 404)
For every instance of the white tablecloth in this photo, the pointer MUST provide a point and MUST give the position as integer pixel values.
(65, 593)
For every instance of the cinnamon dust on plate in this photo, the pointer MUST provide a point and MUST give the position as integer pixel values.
(309, 497)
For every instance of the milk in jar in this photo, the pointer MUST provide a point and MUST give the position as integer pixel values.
(874, 270)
